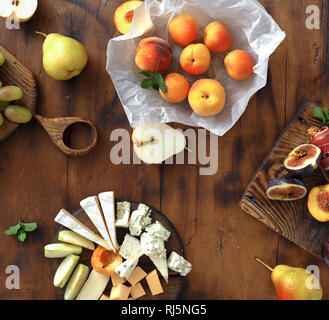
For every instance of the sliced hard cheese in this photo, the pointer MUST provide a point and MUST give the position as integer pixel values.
(94, 286)
(137, 291)
(154, 283)
(130, 248)
(125, 269)
(67, 220)
(92, 208)
(137, 275)
(117, 279)
(120, 292)
(106, 200)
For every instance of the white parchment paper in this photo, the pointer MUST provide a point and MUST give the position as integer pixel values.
(253, 30)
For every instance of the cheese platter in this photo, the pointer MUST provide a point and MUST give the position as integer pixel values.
(137, 261)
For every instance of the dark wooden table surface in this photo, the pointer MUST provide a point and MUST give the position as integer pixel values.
(220, 240)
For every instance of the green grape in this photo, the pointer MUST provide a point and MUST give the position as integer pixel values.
(1, 119)
(2, 59)
(10, 93)
(18, 114)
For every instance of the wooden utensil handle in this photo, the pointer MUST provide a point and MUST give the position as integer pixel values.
(55, 127)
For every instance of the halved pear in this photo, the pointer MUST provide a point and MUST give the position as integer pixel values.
(72, 237)
(21, 10)
(156, 143)
(78, 279)
(61, 250)
(65, 270)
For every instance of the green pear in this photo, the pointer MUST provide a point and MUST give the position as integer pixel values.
(293, 283)
(63, 57)
(61, 250)
(74, 238)
(65, 270)
(77, 280)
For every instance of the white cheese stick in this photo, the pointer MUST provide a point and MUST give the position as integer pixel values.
(67, 220)
(92, 208)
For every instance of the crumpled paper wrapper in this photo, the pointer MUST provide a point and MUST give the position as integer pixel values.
(253, 30)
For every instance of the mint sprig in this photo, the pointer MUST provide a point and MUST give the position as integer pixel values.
(20, 230)
(153, 80)
(321, 113)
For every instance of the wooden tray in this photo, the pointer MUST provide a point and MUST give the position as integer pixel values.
(290, 219)
(13, 72)
(172, 290)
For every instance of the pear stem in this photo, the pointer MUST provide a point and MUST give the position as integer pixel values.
(189, 150)
(264, 264)
(43, 34)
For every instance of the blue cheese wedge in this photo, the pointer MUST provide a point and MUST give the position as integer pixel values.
(158, 230)
(154, 248)
(125, 269)
(139, 220)
(123, 214)
(130, 248)
(67, 220)
(92, 208)
(179, 264)
(107, 202)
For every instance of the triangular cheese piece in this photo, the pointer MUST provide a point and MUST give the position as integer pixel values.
(67, 220)
(107, 202)
(161, 263)
(93, 209)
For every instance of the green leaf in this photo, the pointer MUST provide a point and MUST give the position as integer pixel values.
(28, 227)
(161, 82)
(145, 73)
(147, 83)
(317, 113)
(21, 235)
(13, 230)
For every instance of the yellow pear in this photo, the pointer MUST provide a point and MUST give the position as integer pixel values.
(63, 57)
(293, 283)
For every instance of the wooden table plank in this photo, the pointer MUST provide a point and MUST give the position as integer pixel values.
(221, 241)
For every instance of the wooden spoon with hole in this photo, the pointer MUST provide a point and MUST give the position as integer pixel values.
(13, 72)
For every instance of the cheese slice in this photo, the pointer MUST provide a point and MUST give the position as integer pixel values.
(117, 279)
(67, 220)
(106, 200)
(137, 291)
(154, 283)
(161, 263)
(94, 286)
(126, 268)
(120, 292)
(92, 208)
(137, 275)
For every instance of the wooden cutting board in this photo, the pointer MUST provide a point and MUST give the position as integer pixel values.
(290, 219)
(173, 290)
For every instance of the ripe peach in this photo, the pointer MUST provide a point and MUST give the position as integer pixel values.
(195, 59)
(177, 86)
(318, 203)
(239, 64)
(123, 15)
(207, 97)
(153, 54)
(183, 30)
(217, 37)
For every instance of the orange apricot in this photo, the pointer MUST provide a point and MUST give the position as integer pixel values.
(195, 59)
(217, 37)
(239, 64)
(105, 261)
(177, 88)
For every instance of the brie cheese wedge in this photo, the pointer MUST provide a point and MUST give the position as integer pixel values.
(67, 220)
(92, 208)
(106, 200)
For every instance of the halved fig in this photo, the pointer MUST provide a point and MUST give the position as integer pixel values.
(318, 203)
(303, 160)
(286, 188)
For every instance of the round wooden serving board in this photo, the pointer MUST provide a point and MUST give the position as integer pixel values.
(14, 73)
(172, 290)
